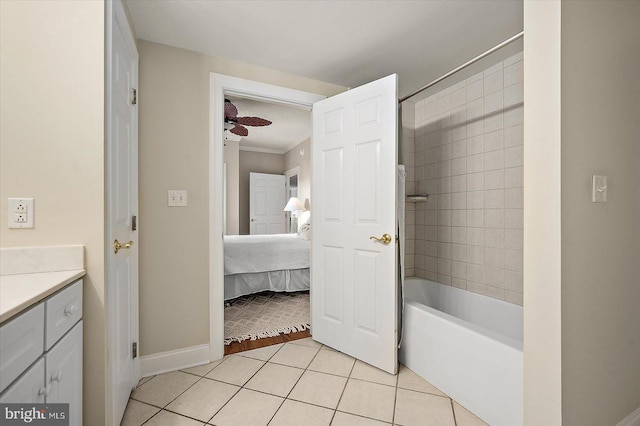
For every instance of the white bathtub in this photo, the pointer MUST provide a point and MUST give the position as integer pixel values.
(467, 345)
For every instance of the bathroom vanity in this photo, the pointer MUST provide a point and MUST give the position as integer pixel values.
(41, 326)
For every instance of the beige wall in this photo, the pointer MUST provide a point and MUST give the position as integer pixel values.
(542, 280)
(174, 154)
(600, 242)
(292, 158)
(232, 160)
(257, 162)
(52, 148)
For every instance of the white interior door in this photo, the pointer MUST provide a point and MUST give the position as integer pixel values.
(122, 206)
(353, 281)
(266, 204)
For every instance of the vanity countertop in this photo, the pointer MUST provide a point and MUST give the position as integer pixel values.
(19, 292)
(30, 274)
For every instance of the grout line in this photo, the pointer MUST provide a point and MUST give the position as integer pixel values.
(395, 398)
(455, 421)
(344, 388)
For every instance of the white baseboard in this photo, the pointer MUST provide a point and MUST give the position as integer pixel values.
(164, 362)
(632, 419)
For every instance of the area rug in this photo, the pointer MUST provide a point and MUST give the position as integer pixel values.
(265, 315)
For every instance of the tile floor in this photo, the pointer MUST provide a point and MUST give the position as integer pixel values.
(295, 383)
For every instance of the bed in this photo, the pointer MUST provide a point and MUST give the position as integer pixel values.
(255, 263)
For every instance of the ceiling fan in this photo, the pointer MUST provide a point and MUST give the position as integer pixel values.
(236, 124)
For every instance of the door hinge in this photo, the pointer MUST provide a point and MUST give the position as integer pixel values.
(134, 223)
(134, 96)
(134, 349)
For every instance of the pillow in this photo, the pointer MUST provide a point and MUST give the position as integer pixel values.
(304, 217)
(305, 231)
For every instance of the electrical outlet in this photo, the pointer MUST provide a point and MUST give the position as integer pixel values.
(177, 198)
(21, 213)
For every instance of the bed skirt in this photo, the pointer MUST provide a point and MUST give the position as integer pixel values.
(237, 285)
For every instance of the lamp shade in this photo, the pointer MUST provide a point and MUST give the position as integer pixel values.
(293, 205)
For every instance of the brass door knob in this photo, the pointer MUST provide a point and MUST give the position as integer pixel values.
(117, 246)
(385, 239)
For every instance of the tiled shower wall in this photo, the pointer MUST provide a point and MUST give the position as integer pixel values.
(465, 149)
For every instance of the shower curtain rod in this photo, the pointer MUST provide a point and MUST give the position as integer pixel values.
(466, 64)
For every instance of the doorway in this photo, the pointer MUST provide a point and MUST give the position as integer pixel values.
(222, 86)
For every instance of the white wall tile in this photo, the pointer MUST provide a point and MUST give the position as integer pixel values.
(475, 163)
(459, 132)
(459, 251)
(513, 281)
(494, 276)
(513, 59)
(475, 255)
(475, 200)
(459, 149)
(514, 219)
(492, 69)
(513, 116)
(459, 270)
(494, 218)
(475, 182)
(459, 283)
(444, 201)
(494, 102)
(513, 74)
(475, 128)
(475, 77)
(459, 165)
(513, 260)
(514, 177)
(444, 250)
(444, 234)
(512, 297)
(513, 239)
(494, 199)
(494, 160)
(444, 267)
(475, 218)
(459, 97)
(493, 141)
(475, 272)
(513, 198)
(444, 169)
(444, 217)
(475, 145)
(475, 109)
(459, 234)
(493, 82)
(513, 95)
(494, 257)
(475, 90)
(494, 237)
(459, 199)
(493, 122)
(514, 156)
(494, 179)
(458, 217)
(513, 136)
(475, 236)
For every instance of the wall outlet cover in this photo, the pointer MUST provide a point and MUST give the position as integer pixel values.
(21, 213)
(177, 198)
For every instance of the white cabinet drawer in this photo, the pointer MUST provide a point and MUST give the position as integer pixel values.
(63, 310)
(27, 389)
(21, 343)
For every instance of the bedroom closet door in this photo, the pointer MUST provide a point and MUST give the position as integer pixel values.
(353, 232)
(266, 204)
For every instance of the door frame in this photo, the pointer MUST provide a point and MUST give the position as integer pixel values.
(221, 85)
(115, 14)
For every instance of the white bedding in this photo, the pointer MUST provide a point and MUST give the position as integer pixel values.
(262, 253)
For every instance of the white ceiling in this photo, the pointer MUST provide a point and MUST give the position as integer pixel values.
(348, 43)
(290, 126)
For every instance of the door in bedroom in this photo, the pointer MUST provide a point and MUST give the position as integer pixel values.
(354, 252)
(266, 204)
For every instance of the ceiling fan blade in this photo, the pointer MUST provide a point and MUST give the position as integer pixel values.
(253, 121)
(230, 110)
(240, 130)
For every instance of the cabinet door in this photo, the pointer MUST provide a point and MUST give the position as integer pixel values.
(64, 373)
(28, 389)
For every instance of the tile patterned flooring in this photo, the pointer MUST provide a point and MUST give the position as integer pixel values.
(296, 383)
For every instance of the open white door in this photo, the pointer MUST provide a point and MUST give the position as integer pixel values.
(353, 282)
(266, 204)
(122, 208)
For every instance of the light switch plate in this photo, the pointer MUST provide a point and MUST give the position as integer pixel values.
(21, 213)
(599, 189)
(177, 198)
